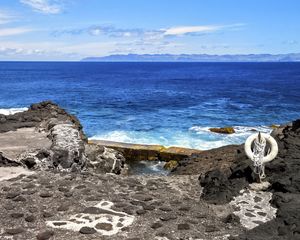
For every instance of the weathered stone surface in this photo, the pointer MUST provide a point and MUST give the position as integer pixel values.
(222, 184)
(48, 137)
(140, 152)
(105, 160)
(173, 192)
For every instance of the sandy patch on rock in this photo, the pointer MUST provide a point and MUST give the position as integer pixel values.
(12, 172)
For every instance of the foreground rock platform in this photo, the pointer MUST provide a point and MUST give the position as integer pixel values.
(47, 205)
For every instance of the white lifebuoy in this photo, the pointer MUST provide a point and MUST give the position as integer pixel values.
(269, 139)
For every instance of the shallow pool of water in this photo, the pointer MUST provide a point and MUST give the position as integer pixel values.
(148, 168)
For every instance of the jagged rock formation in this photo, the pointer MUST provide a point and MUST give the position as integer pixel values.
(230, 172)
(52, 139)
(105, 160)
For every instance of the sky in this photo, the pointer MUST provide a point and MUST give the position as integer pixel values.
(69, 30)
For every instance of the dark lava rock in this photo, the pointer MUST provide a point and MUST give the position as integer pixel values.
(12, 194)
(47, 214)
(30, 218)
(141, 212)
(148, 207)
(211, 228)
(156, 225)
(63, 208)
(165, 209)
(87, 230)
(45, 235)
(19, 199)
(14, 231)
(46, 194)
(68, 194)
(231, 218)
(168, 217)
(221, 184)
(17, 215)
(104, 226)
(183, 226)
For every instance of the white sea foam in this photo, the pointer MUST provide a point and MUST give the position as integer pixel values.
(239, 130)
(196, 137)
(10, 111)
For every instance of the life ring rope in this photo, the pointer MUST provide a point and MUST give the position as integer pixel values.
(257, 155)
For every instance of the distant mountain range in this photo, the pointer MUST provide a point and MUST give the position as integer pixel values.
(292, 57)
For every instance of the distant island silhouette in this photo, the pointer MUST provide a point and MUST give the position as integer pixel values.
(291, 57)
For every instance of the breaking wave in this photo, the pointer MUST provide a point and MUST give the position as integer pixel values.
(196, 137)
(10, 111)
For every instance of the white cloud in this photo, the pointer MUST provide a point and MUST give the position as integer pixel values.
(54, 50)
(4, 32)
(190, 29)
(5, 17)
(44, 6)
(183, 30)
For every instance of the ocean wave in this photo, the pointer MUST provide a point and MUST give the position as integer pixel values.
(196, 137)
(11, 111)
(239, 130)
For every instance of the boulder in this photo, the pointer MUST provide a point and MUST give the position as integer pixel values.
(223, 130)
(171, 165)
(105, 160)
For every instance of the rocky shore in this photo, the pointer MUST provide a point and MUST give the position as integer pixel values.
(55, 184)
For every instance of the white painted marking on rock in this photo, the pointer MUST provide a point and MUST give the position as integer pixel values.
(117, 220)
(254, 208)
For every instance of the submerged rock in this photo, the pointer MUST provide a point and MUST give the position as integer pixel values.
(223, 130)
(171, 165)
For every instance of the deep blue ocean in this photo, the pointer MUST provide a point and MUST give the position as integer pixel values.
(159, 103)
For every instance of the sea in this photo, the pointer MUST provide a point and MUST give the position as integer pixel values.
(171, 104)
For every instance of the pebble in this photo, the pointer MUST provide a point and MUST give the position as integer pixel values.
(45, 235)
(140, 211)
(14, 231)
(87, 230)
(46, 194)
(19, 199)
(12, 195)
(63, 208)
(156, 225)
(211, 228)
(104, 226)
(47, 214)
(183, 226)
(168, 217)
(30, 218)
(16, 215)
(148, 207)
(165, 209)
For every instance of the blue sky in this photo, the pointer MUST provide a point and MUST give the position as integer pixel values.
(73, 29)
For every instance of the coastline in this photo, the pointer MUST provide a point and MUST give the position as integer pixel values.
(73, 177)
